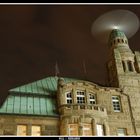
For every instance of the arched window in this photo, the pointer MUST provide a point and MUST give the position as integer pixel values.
(122, 41)
(118, 40)
(130, 67)
(69, 97)
(124, 68)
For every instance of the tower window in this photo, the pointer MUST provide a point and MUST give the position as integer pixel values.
(122, 41)
(129, 63)
(80, 97)
(92, 99)
(136, 66)
(116, 103)
(123, 63)
(69, 97)
(118, 40)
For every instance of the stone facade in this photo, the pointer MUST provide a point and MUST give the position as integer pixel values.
(86, 108)
(124, 74)
(9, 123)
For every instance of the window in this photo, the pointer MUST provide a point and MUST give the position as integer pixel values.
(122, 41)
(87, 130)
(80, 97)
(116, 103)
(121, 131)
(118, 40)
(21, 130)
(129, 63)
(100, 130)
(73, 130)
(36, 131)
(92, 99)
(123, 63)
(69, 97)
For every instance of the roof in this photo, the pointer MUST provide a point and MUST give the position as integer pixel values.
(36, 98)
(116, 33)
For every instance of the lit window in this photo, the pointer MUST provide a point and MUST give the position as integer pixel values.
(116, 103)
(69, 97)
(21, 130)
(121, 131)
(87, 130)
(36, 131)
(92, 99)
(100, 130)
(80, 97)
(73, 130)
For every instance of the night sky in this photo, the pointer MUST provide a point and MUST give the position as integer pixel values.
(33, 38)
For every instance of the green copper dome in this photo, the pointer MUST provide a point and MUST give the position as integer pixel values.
(116, 33)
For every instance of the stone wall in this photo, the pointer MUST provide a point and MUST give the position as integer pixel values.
(107, 117)
(8, 124)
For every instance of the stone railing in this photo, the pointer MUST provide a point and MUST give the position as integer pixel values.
(67, 109)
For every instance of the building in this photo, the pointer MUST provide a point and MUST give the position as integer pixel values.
(66, 106)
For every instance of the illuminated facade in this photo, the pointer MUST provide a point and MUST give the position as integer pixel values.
(66, 106)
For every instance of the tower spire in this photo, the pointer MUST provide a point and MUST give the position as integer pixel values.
(85, 70)
(57, 72)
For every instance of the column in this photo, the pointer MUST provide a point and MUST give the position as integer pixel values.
(132, 64)
(94, 132)
(107, 132)
(126, 66)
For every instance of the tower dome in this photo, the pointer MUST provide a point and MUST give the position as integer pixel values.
(117, 38)
(117, 33)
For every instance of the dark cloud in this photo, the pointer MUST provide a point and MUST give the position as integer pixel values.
(32, 38)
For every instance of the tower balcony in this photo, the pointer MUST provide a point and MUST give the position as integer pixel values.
(80, 109)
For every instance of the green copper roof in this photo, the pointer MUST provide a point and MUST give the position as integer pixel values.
(37, 98)
(116, 33)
